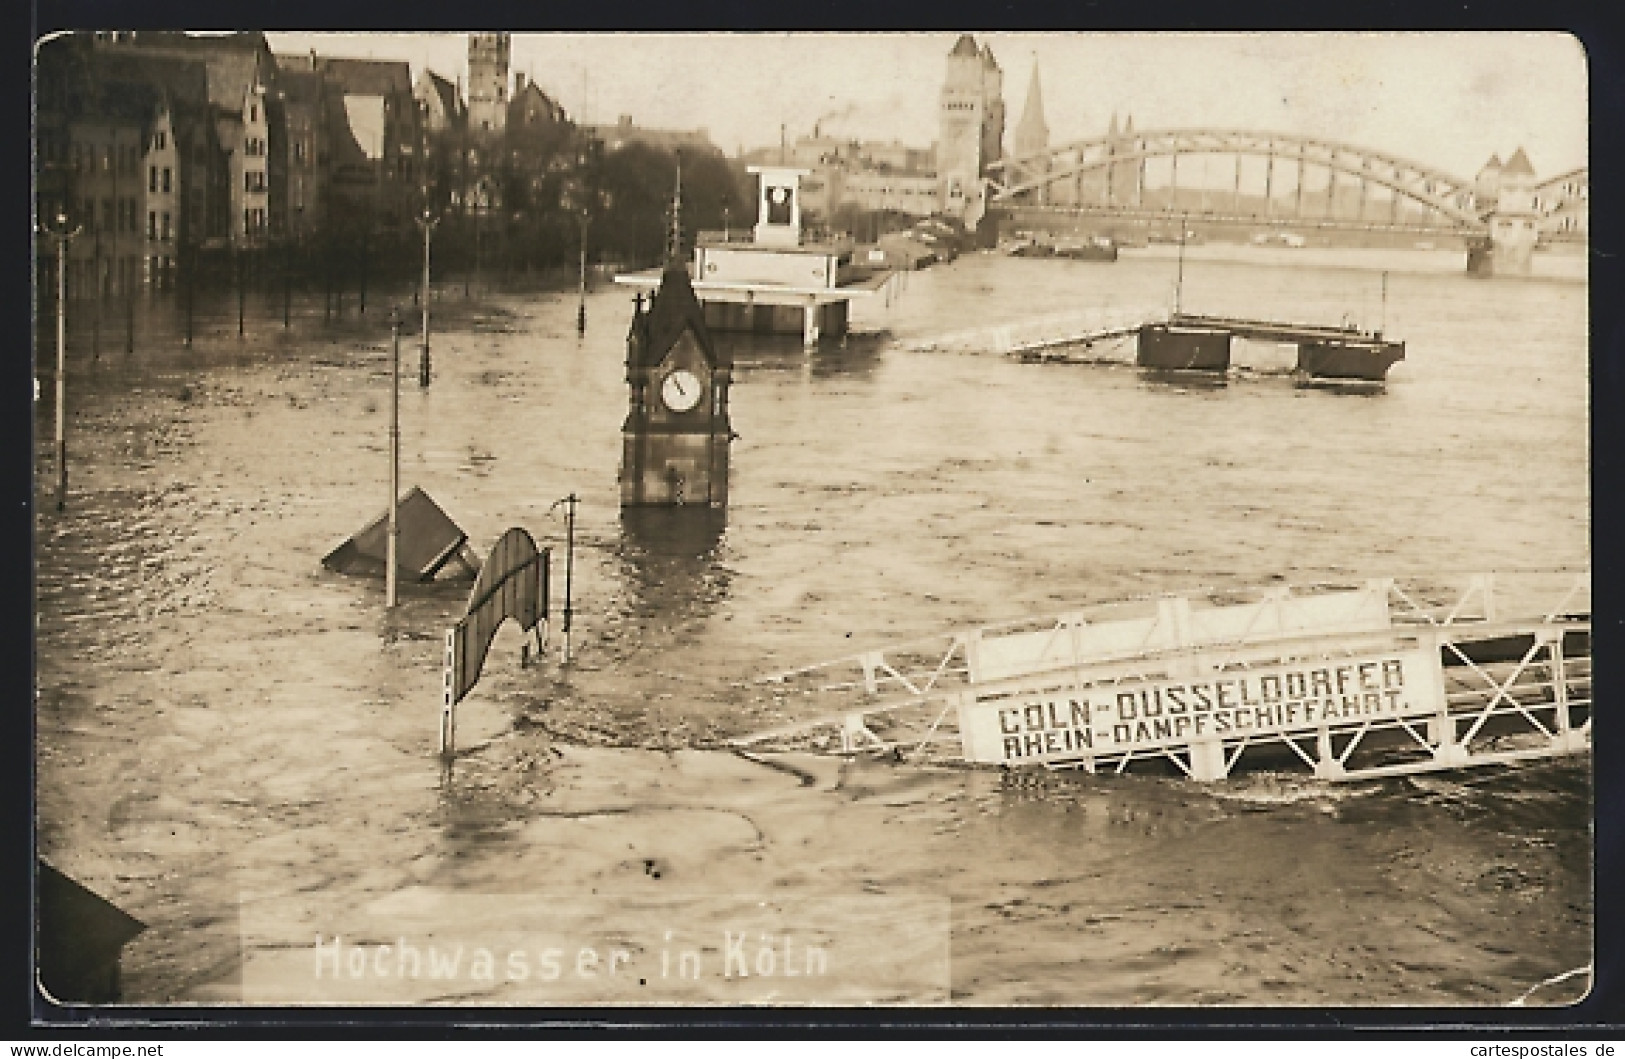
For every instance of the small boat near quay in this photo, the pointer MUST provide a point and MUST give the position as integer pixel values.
(1088, 248)
(1095, 248)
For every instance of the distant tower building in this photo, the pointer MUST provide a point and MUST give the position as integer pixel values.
(1513, 217)
(1102, 180)
(1032, 139)
(1487, 184)
(972, 122)
(488, 55)
(1131, 184)
(993, 120)
(1122, 177)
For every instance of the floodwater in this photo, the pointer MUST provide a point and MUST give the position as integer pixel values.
(238, 747)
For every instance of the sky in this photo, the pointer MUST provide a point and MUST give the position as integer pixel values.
(1447, 100)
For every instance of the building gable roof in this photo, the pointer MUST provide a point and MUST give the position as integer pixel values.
(299, 84)
(368, 77)
(442, 90)
(233, 60)
(231, 75)
(532, 97)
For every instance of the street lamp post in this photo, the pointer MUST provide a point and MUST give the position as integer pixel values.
(581, 293)
(428, 223)
(287, 280)
(479, 217)
(62, 236)
(393, 541)
(190, 266)
(365, 261)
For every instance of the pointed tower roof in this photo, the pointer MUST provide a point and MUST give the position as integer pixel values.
(987, 57)
(1032, 132)
(1128, 125)
(1518, 165)
(1111, 130)
(965, 47)
(1493, 164)
(673, 309)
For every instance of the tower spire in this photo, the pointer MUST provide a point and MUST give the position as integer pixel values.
(674, 254)
(1032, 133)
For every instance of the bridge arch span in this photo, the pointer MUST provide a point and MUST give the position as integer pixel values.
(1451, 197)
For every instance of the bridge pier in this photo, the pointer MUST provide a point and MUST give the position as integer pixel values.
(1508, 248)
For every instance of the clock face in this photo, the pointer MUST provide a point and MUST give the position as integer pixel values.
(681, 390)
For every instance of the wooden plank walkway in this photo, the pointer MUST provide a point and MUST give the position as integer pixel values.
(1046, 332)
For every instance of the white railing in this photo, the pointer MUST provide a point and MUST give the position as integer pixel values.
(1479, 678)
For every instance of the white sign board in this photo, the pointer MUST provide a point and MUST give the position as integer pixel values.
(1076, 641)
(1062, 724)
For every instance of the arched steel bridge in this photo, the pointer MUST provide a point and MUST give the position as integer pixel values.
(1089, 176)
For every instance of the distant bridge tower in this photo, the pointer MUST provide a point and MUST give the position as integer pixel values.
(488, 81)
(972, 128)
(1124, 179)
(1032, 139)
(1506, 195)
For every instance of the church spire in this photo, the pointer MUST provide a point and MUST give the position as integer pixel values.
(1032, 134)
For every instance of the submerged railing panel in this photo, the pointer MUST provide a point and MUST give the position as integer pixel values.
(1341, 681)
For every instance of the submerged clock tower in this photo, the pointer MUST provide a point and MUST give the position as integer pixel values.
(676, 435)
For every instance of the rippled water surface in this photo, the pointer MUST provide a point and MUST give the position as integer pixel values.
(228, 730)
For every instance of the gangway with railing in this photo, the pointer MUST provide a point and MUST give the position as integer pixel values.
(1382, 678)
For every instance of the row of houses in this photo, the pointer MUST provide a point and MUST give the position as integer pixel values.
(165, 150)
(161, 147)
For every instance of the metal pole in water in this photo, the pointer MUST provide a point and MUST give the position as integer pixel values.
(62, 237)
(1179, 276)
(287, 284)
(394, 457)
(191, 267)
(1383, 320)
(569, 569)
(581, 289)
(423, 359)
(569, 561)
